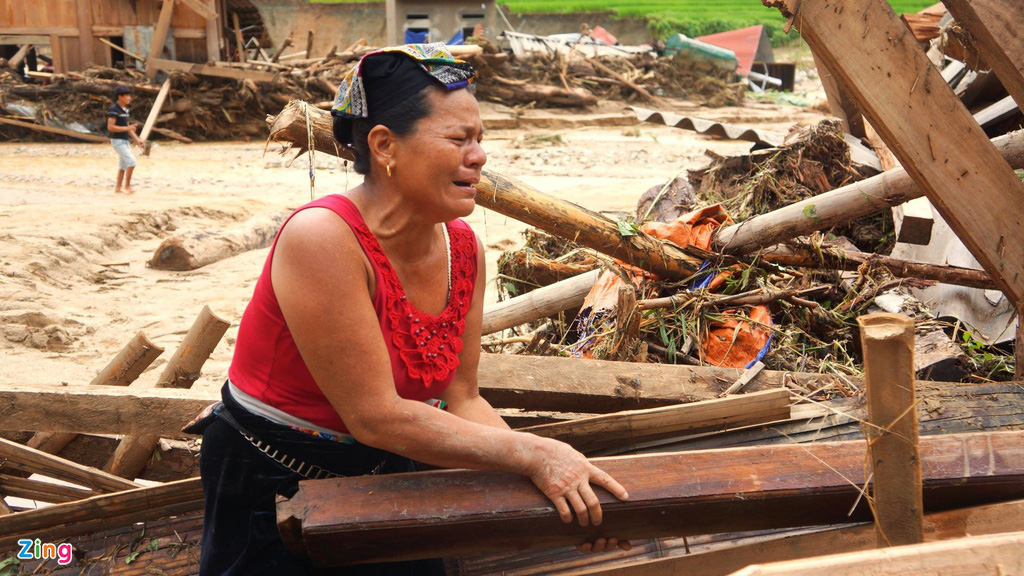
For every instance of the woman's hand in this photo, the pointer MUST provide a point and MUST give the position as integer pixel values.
(564, 476)
(604, 545)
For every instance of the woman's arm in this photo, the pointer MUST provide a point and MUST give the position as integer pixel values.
(463, 395)
(321, 280)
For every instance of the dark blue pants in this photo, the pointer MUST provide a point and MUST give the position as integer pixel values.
(241, 483)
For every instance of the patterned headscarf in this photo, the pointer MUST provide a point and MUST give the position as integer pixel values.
(434, 59)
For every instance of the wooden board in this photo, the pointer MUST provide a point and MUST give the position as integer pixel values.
(1000, 555)
(103, 512)
(156, 47)
(925, 125)
(18, 457)
(623, 431)
(995, 26)
(706, 557)
(372, 518)
(49, 130)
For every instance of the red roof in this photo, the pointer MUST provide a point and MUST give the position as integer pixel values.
(744, 42)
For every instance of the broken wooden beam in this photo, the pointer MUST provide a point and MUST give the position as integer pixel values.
(994, 25)
(182, 371)
(517, 200)
(15, 456)
(156, 45)
(51, 130)
(154, 112)
(629, 430)
(118, 509)
(202, 248)
(207, 70)
(925, 125)
(892, 432)
(539, 303)
(373, 518)
(129, 363)
(841, 205)
(997, 554)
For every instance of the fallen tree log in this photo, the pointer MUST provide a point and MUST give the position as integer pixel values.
(843, 204)
(372, 518)
(515, 200)
(197, 250)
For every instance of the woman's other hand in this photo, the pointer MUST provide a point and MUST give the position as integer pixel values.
(565, 477)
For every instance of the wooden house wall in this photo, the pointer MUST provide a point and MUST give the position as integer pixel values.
(56, 22)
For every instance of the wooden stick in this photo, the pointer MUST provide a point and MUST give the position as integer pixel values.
(156, 47)
(309, 43)
(748, 375)
(129, 363)
(833, 257)
(539, 303)
(997, 554)
(374, 518)
(103, 512)
(154, 112)
(238, 38)
(625, 431)
(517, 200)
(20, 55)
(925, 125)
(888, 344)
(48, 129)
(122, 50)
(618, 78)
(19, 457)
(280, 49)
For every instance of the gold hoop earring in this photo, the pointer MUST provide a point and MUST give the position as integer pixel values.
(389, 170)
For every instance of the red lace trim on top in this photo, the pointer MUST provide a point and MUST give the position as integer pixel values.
(429, 345)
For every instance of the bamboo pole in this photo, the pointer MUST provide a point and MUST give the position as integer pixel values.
(892, 433)
(129, 363)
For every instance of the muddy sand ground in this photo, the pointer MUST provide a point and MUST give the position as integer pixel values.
(74, 285)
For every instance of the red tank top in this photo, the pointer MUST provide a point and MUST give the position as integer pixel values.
(424, 349)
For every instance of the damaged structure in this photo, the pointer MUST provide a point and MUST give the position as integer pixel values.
(752, 345)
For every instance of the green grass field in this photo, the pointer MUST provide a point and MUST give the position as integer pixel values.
(690, 17)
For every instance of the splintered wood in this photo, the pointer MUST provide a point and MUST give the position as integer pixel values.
(924, 124)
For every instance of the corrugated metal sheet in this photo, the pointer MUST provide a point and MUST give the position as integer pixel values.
(709, 127)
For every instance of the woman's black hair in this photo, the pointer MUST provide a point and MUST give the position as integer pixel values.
(400, 119)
